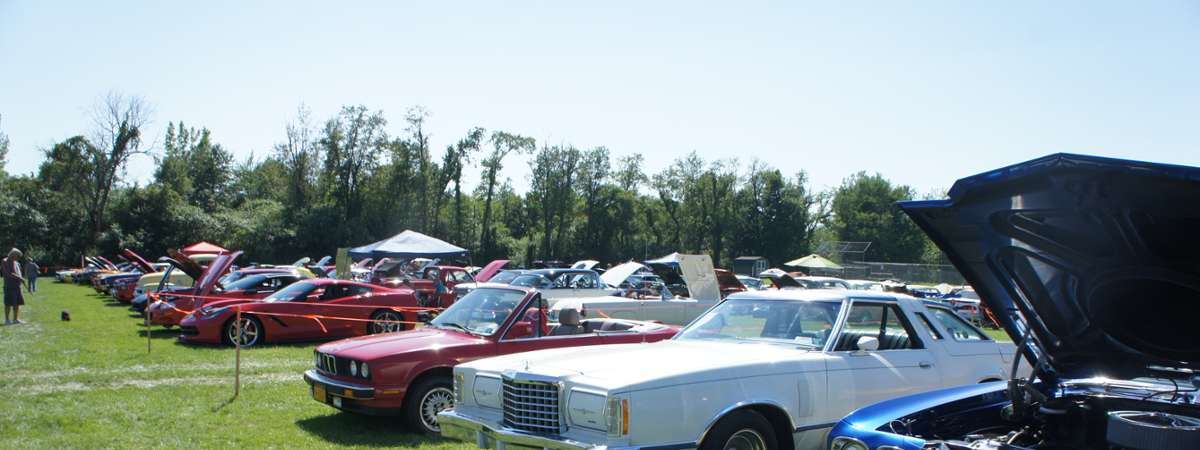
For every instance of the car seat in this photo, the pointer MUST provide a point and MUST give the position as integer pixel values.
(568, 323)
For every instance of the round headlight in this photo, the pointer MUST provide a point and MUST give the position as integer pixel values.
(353, 368)
(847, 443)
(366, 372)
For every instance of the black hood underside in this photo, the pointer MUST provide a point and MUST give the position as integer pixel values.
(1100, 256)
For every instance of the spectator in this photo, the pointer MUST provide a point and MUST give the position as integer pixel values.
(10, 268)
(31, 274)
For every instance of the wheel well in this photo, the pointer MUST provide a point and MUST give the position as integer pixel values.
(778, 419)
(432, 372)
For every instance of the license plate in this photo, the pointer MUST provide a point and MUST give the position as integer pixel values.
(319, 393)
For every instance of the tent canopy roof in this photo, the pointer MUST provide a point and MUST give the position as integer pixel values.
(813, 261)
(409, 244)
(203, 247)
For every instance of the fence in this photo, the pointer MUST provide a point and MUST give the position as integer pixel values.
(913, 273)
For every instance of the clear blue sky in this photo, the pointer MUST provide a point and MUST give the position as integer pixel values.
(923, 92)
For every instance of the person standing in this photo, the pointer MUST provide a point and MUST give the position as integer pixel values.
(31, 274)
(10, 268)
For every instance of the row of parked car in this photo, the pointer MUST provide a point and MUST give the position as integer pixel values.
(1085, 262)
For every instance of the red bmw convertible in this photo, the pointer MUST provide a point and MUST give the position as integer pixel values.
(315, 309)
(409, 373)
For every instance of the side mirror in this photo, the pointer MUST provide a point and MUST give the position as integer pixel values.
(867, 343)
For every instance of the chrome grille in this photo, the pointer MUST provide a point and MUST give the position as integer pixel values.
(531, 406)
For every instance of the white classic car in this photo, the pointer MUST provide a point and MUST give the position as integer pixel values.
(761, 370)
(696, 272)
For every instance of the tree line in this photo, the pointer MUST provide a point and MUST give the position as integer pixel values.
(357, 177)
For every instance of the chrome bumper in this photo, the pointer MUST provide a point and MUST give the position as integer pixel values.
(464, 428)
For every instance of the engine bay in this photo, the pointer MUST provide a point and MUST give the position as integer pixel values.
(1089, 419)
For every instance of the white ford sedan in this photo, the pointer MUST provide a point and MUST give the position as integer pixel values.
(762, 370)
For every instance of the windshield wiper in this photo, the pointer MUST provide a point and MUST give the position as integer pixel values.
(457, 327)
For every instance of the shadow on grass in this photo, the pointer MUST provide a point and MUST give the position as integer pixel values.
(159, 333)
(358, 430)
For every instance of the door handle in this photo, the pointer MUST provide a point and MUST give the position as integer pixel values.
(925, 365)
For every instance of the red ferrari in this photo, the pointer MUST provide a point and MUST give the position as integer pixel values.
(319, 308)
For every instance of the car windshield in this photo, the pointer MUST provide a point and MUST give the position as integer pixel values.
(822, 284)
(793, 322)
(246, 282)
(504, 277)
(296, 291)
(530, 281)
(480, 312)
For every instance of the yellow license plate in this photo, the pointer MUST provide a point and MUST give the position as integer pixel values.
(319, 393)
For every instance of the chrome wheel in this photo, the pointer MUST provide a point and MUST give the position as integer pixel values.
(435, 401)
(387, 322)
(243, 332)
(746, 439)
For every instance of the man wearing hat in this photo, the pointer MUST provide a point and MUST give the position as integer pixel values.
(10, 268)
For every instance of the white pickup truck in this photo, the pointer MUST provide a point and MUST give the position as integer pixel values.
(761, 370)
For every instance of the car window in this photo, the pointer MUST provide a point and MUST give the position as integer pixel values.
(294, 292)
(532, 323)
(882, 321)
(776, 321)
(958, 328)
(458, 276)
(354, 289)
(933, 331)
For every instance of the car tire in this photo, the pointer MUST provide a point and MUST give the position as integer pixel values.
(385, 315)
(254, 331)
(741, 430)
(424, 400)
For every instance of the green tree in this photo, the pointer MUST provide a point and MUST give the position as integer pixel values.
(503, 144)
(864, 209)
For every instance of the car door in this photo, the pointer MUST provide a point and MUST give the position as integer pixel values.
(901, 365)
(969, 356)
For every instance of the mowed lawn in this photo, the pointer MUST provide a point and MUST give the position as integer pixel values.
(90, 383)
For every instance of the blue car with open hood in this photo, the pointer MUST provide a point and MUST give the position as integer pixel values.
(1092, 265)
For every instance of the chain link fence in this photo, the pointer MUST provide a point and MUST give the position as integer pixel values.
(906, 272)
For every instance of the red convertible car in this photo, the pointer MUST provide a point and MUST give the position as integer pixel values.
(318, 308)
(409, 373)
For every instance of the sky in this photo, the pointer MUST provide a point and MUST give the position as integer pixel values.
(921, 92)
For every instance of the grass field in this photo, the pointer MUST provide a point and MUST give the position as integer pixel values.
(90, 383)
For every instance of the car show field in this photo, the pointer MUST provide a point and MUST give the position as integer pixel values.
(90, 383)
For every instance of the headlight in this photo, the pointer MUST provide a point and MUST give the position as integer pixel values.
(353, 368)
(365, 371)
(847, 443)
(618, 416)
(586, 409)
(208, 311)
(485, 390)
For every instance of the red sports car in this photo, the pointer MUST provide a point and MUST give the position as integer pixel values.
(318, 308)
(245, 284)
(409, 373)
(169, 310)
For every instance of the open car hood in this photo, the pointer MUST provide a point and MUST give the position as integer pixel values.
(1097, 255)
(185, 264)
(217, 268)
(490, 270)
(139, 261)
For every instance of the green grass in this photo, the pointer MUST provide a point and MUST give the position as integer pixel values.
(90, 383)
